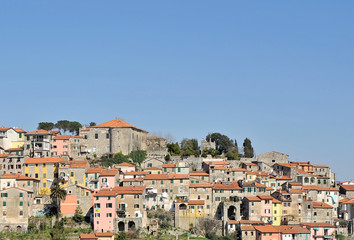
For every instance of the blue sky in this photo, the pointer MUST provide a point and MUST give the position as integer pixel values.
(277, 72)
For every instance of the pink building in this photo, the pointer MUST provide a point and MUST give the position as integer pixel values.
(320, 231)
(104, 210)
(125, 167)
(266, 208)
(267, 232)
(108, 178)
(61, 145)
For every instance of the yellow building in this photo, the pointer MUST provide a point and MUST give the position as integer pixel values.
(20, 141)
(277, 212)
(45, 170)
(72, 172)
(188, 214)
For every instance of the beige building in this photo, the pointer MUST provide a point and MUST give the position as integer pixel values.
(39, 143)
(113, 137)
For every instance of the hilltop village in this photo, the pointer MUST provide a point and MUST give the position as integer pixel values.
(264, 197)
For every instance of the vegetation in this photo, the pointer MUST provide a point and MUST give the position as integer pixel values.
(138, 156)
(174, 149)
(92, 124)
(190, 147)
(57, 194)
(78, 216)
(46, 125)
(248, 149)
(210, 151)
(222, 142)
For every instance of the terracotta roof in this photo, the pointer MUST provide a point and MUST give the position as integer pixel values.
(253, 183)
(295, 184)
(246, 222)
(198, 174)
(43, 160)
(140, 179)
(21, 189)
(78, 164)
(321, 205)
(39, 132)
(169, 165)
(288, 165)
(253, 199)
(276, 200)
(220, 168)
(286, 229)
(125, 164)
(347, 201)
(247, 228)
(265, 197)
(94, 170)
(200, 185)
(10, 176)
(2, 129)
(217, 162)
(282, 178)
(296, 191)
(152, 168)
(249, 164)
(196, 202)
(14, 149)
(136, 173)
(269, 189)
(320, 165)
(153, 137)
(348, 187)
(108, 172)
(227, 186)
(63, 137)
(106, 192)
(318, 188)
(19, 130)
(130, 190)
(25, 178)
(318, 225)
(258, 173)
(88, 236)
(116, 123)
(4, 155)
(266, 229)
(166, 176)
(105, 234)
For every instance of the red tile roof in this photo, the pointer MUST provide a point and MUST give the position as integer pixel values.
(116, 123)
(169, 165)
(43, 160)
(217, 162)
(253, 199)
(88, 236)
(40, 132)
(152, 168)
(265, 197)
(321, 205)
(94, 170)
(136, 173)
(63, 137)
(227, 186)
(347, 187)
(286, 229)
(14, 149)
(198, 174)
(4, 155)
(237, 170)
(109, 172)
(2, 129)
(19, 130)
(105, 234)
(247, 228)
(125, 164)
(196, 202)
(266, 229)
(200, 185)
(166, 176)
(318, 225)
(78, 164)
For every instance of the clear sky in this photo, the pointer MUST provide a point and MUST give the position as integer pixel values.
(278, 72)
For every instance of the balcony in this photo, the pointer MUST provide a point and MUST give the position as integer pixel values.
(3, 135)
(121, 212)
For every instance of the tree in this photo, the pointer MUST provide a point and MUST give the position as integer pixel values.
(169, 138)
(190, 147)
(78, 216)
(74, 127)
(138, 156)
(210, 151)
(222, 142)
(174, 149)
(46, 125)
(168, 158)
(63, 125)
(57, 194)
(92, 124)
(208, 227)
(247, 148)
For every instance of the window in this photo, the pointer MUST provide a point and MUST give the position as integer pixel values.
(108, 205)
(181, 181)
(4, 213)
(107, 135)
(315, 213)
(109, 215)
(97, 215)
(96, 135)
(217, 198)
(28, 183)
(122, 196)
(21, 213)
(327, 214)
(21, 203)
(4, 204)
(36, 175)
(153, 182)
(161, 181)
(136, 205)
(136, 196)
(72, 174)
(172, 181)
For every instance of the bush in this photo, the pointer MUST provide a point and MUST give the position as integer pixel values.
(121, 236)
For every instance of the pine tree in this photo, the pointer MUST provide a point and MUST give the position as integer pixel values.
(248, 149)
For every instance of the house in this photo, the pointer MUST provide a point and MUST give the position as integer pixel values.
(12, 161)
(203, 191)
(15, 208)
(189, 213)
(45, 170)
(61, 145)
(125, 167)
(152, 162)
(17, 180)
(98, 236)
(114, 136)
(346, 209)
(317, 212)
(72, 172)
(293, 232)
(7, 137)
(77, 195)
(267, 232)
(38, 143)
(320, 231)
(347, 188)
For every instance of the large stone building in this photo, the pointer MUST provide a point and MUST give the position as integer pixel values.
(113, 137)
